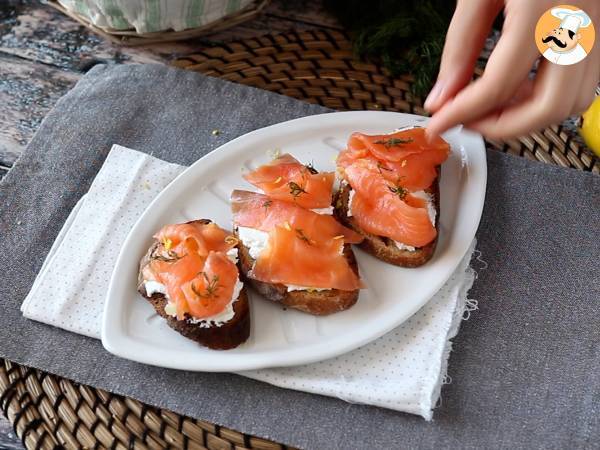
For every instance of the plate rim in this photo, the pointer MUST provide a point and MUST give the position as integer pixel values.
(127, 347)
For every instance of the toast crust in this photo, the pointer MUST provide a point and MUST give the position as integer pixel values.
(318, 303)
(382, 247)
(227, 336)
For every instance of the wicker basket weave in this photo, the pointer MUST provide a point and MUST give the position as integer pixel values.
(133, 38)
(48, 411)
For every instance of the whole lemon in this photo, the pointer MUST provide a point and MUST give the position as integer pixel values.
(590, 126)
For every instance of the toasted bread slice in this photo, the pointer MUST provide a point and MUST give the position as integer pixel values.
(318, 303)
(226, 336)
(382, 247)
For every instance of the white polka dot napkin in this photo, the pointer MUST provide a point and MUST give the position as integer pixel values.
(81, 260)
(403, 370)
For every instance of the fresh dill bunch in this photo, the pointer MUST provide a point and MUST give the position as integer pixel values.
(405, 36)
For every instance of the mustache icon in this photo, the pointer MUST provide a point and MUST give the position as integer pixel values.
(557, 41)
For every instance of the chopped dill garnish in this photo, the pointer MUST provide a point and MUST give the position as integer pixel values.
(211, 286)
(381, 167)
(170, 257)
(296, 189)
(393, 142)
(311, 168)
(399, 191)
(303, 237)
(267, 203)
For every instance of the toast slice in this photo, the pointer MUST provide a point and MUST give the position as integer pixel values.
(382, 247)
(318, 303)
(226, 336)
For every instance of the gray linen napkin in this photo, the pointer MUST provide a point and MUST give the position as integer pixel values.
(525, 368)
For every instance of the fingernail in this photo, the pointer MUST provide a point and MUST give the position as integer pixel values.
(435, 93)
(429, 136)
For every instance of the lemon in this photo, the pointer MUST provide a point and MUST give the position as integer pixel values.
(590, 126)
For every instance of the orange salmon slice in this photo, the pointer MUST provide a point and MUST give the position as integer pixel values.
(404, 157)
(304, 248)
(398, 145)
(381, 208)
(191, 262)
(258, 211)
(286, 179)
(292, 257)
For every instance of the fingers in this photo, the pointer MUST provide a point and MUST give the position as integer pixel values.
(466, 35)
(555, 95)
(506, 70)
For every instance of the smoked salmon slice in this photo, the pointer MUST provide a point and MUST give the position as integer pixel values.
(190, 261)
(386, 209)
(287, 179)
(211, 289)
(304, 248)
(202, 237)
(292, 257)
(398, 145)
(261, 212)
(404, 157)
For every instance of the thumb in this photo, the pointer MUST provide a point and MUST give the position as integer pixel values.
(470, 26)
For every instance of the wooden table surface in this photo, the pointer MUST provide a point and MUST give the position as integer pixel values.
(43, 53)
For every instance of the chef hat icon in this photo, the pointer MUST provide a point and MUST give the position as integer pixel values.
(572, 20)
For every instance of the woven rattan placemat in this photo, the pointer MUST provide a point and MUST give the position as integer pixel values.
(49, 411)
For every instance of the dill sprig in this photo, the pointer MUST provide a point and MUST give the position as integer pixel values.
(393, 142)
(267, 203)
(399, 191)
(311, 168)
(211, 286)
(303, 237)
(171, 256)
(381, 167)
(296, 189)
(407, 37)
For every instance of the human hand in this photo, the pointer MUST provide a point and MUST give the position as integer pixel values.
(505, 102)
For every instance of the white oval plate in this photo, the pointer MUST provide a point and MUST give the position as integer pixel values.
(131, 329)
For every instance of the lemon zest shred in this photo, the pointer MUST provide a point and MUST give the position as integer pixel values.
(231, 240)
